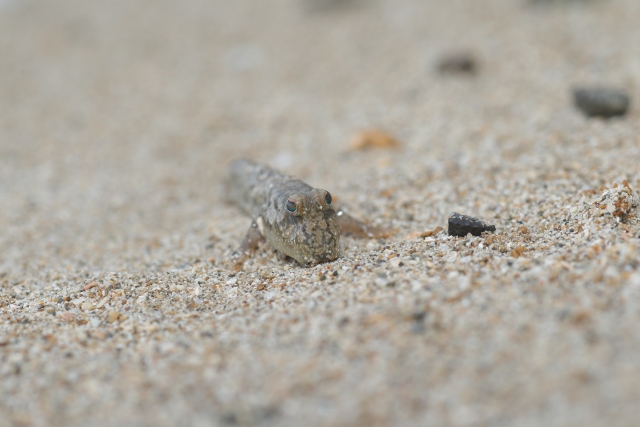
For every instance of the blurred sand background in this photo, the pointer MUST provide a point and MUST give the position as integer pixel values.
(117, 123)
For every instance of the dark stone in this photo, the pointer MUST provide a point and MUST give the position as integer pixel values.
(328, 6)
(461, 225)
(457, 63)
(600, 101)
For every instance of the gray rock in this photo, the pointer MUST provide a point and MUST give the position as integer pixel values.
(601, 101)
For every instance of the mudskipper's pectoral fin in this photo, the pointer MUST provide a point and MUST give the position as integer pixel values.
(351, 225)
(250, 243)
(251, 240)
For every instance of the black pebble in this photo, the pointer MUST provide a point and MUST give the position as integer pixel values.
(457, 63)
(461, 225)
(600, 101)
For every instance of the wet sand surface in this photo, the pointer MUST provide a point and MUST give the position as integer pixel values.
(118, 302)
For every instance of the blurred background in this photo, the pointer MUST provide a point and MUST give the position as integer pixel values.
(127, 113)
(118, 119)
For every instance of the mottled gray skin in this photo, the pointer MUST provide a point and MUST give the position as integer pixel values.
(310, 235)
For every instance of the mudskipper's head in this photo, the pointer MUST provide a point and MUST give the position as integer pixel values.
(308, 228)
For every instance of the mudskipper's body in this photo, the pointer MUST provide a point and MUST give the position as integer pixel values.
(295, 218)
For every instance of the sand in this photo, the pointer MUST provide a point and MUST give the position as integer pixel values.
(118, 302)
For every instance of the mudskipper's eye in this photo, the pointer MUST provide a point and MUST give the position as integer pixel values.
(327, 198)
(291, 206)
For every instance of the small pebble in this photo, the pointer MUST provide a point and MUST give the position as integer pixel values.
(103, 302)
(601, 101)
(67, 316)
(372, 139)
(518, 251)
(457, 63)
(112, 316)
(90, 285)
(421, 235)
(461, 225)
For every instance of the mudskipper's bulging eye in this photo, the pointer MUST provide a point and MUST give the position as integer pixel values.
(291, 206)
(327, 198)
